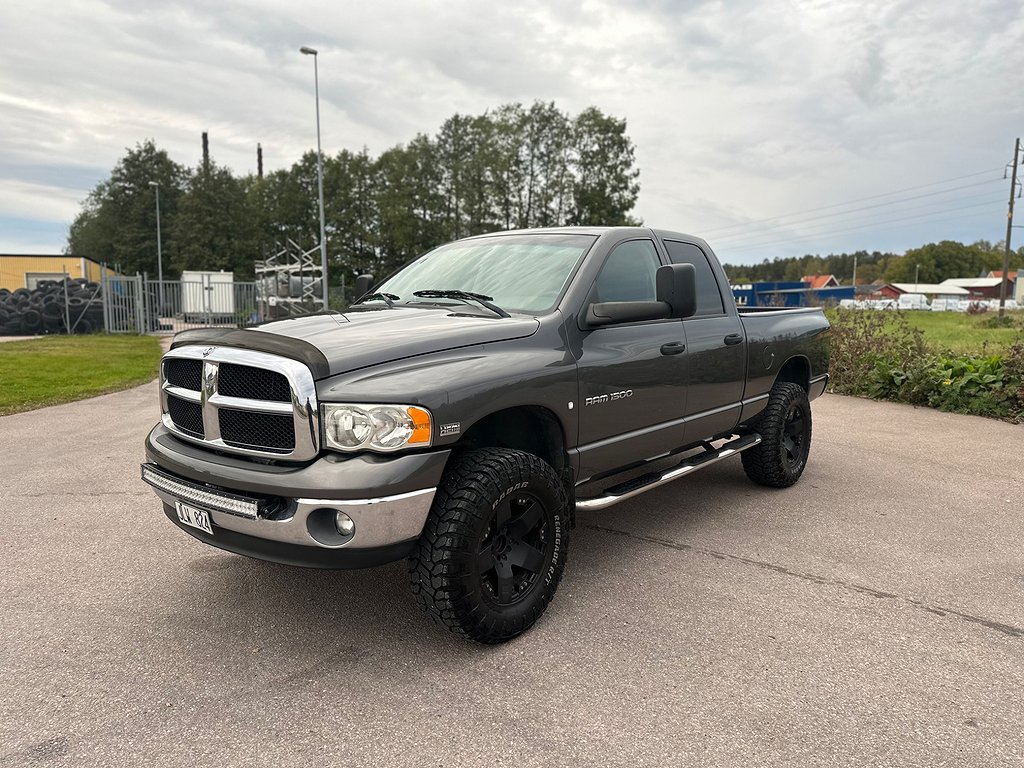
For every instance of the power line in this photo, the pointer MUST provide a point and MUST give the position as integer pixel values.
(811, 229)
(851, 202)
(849, 229)
(815, 229)
(870, 207)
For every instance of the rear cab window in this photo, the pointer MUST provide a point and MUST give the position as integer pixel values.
(709, 295)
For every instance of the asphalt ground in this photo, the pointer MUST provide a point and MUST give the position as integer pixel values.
(869, 616)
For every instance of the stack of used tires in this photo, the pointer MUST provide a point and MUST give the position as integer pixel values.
(49, 306)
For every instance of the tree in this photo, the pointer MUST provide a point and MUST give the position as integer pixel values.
(506, 169)
(350, 181)
(547, 145)
(605, 188)
(215, 226)
(410, 204)
(117, 223)
(935, 262)
(292, 204)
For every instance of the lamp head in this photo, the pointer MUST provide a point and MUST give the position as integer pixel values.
(307, 50)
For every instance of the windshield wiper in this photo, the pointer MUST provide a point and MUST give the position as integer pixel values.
(479, 298)
(387, 298)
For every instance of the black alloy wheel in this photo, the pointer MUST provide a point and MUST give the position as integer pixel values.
(494, 545)
(794, 437)
(515, 549)
(785, 429)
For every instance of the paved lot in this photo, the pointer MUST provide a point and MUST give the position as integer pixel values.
(870, 616)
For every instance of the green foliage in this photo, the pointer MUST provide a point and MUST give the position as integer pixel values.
(880, 355)
(511, 168)
(214, 226)
(936, 262)
(869, 267)
(606, 185)
(117, 223)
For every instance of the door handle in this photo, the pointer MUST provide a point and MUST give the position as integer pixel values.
(673, 348)
(734, 338)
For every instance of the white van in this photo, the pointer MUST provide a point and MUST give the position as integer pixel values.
(913, 301)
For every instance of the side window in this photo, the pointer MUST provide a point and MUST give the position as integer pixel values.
(709, 297)
(628, 274)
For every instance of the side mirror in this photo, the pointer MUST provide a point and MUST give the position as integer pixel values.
(363, 285)
(611, 312)
(676, 285)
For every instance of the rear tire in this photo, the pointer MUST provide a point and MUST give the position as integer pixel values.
(785, 428)
(494, 546)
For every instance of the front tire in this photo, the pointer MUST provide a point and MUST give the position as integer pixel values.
(494, 546)
(785, 428)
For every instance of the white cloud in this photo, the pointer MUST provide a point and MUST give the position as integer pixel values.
(740, 110)
(44, 202)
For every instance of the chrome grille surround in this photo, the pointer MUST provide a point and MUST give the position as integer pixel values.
(303, 408)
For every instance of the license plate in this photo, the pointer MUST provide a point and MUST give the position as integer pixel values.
(197, 518)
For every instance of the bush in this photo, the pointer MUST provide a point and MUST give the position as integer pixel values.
(878, 355)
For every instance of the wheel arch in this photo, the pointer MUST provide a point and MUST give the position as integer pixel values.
(796, 370)
(533, 429)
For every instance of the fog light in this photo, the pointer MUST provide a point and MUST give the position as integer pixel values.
(346, 525)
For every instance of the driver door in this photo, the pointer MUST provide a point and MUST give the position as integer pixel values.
(631, 394)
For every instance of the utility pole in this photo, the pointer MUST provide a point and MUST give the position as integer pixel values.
(1005, 283)
(855, 275)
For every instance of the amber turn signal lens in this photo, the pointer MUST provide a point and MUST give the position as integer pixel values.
(421, 426)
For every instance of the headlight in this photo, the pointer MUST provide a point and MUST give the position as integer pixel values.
(359, 427)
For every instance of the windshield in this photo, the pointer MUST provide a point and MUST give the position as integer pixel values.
(521, 273)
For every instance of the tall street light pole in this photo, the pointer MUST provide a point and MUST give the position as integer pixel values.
(159, 246)
(319, 170)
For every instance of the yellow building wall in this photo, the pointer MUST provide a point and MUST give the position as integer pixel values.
(13, 269)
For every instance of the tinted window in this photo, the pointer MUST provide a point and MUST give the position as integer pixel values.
(709, 298)
(628, 274)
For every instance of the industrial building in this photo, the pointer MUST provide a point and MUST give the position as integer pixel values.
(25, 271)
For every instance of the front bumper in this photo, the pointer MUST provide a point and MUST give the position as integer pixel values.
(286, 513)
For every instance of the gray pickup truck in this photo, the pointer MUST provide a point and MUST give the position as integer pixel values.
(465, 410)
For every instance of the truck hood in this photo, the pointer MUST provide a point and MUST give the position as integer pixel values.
(332, 343)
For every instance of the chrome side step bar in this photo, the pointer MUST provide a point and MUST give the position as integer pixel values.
(636, 486)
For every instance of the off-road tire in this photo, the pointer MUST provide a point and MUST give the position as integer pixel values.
(780, 458)
(463, 537)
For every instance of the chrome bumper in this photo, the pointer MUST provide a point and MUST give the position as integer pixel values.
(305, 522)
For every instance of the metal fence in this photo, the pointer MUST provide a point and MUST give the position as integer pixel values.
(140, 305)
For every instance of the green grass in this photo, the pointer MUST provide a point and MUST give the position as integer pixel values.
(59, 369)
(962, 333)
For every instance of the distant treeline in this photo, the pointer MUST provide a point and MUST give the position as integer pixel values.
(509, 168)
(934, 262)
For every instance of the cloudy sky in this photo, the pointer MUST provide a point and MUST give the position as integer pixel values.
(770, 128)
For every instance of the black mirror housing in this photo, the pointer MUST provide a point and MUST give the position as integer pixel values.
(364, 283)
(612, 312)
(676, 285)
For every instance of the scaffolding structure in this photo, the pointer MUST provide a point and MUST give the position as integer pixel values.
(289, 282)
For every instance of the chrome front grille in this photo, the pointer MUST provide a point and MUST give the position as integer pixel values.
(240, 401)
